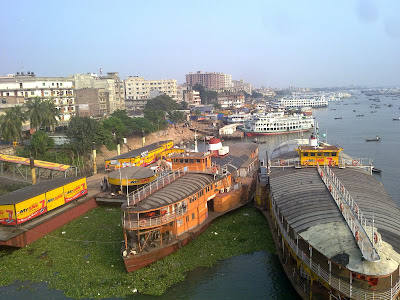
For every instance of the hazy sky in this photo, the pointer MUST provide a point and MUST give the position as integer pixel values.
(273, 43)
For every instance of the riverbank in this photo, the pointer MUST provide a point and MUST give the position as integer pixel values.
(83, 260)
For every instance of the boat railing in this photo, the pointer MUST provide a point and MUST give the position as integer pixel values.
(148, 189)
(358, 223)
(355, 162)
(338, 284)
(131, 221)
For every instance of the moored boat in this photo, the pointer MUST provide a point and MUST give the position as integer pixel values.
(277, 123)
(335, 227)
(170, 212)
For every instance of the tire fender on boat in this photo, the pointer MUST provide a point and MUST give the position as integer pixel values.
(180, 244)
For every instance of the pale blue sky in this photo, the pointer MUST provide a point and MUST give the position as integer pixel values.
(273, 43)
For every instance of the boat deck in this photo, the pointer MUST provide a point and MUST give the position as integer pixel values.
(308, 207)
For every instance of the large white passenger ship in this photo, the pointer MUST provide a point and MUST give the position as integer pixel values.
(296, 101)
(277, 123)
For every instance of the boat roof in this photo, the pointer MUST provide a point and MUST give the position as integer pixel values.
(131, 172)
(177, 190)
(239, 156)
(35, 190)
(137, 152)
(308, 207)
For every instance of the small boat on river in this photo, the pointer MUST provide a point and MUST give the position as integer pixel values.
(396, 119)
(377, 139)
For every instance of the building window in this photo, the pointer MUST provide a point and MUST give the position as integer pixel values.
(52, 83)
(60, 83)
(43, 84)
(192, 216)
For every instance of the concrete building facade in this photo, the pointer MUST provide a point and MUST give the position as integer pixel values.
(111, 83)
(210, 80)
(231, 100)
(192, 97)
(138, 90)
(22, 88)
(92, 102)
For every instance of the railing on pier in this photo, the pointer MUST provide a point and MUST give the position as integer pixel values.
(354, 217)
(163, 180)
(131, 221)
(344, 162)
(340, 285)
(148, 189)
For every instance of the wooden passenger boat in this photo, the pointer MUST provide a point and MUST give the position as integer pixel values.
(171, 211)
(336, 229)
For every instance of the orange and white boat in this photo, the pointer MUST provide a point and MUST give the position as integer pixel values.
(171, 211)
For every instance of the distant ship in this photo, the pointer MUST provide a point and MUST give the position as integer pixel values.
(296, 101)
(277, 123)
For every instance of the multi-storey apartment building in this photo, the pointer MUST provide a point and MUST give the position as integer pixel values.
(241, 85)
(21, 88)
(92, 102)
(231, 100)
(138, 90)
(210, 80)
(111, 83)
(192, 97)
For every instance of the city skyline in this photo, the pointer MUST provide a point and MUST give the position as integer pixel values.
(277, 44)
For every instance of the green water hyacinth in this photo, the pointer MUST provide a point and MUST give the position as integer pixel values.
(83, 258)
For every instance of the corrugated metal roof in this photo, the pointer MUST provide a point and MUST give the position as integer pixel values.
(35, 190)
(139, 151)
(371, 197)
(131, 173)
(175, 191)
(238, 156)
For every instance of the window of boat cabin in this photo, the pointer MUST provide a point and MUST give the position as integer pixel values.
(191, 161)
(319, 154)
(305, 153)
(334, 153)
(187, 218)
(326, 154)
(181, 161)
(312, 153)
(192, 216)
(198, 160)
(186, 160)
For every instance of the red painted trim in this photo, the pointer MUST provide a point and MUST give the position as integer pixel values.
(54, 223)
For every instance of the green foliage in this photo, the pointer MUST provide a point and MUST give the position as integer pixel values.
(117, 128)
(83, 258)
(41, 143)
(139, 124)
(82, 133)
(255, 94)
(205, 95)
(184, 105)
(177, 116)
(11, 124)
(104, 137)
(156, 109)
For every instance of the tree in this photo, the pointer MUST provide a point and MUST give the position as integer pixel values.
(206, 96)
(255, 94)
(11, 124)
(142, 124)
(82, 133)
(51, 114)
(156, 109)
(177, 116)
(116, 127)
(36, 112)
(41, 143)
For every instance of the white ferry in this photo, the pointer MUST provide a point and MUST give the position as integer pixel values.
(237, 118)
(296, 101)
(277, 123)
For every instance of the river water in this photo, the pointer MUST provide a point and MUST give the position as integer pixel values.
(260, 275)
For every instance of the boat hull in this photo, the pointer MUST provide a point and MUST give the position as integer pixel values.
(252, 133)
(136, 262)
